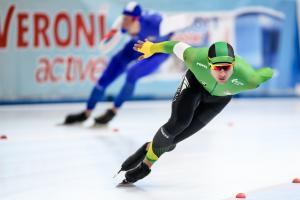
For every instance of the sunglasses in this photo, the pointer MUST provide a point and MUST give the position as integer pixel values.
(219, 67)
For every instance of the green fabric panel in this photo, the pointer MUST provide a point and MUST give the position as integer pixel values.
(221, 49)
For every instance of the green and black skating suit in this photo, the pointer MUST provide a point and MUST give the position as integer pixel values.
(199, 98)
(244, 77)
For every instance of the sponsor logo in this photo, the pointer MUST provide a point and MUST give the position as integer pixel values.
(237, 82)
(42, 29)
(201, 65)
(185, 84)
(227, 92)
(164, 133)
(203, 83)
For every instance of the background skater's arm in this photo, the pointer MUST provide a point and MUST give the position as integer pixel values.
(173, 23)
(114, 29)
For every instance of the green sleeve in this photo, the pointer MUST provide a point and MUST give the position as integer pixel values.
(254, 77)
(264, 74)
(195, 59)
(163, 47)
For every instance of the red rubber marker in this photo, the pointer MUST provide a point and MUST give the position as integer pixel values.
(115, 130)
(240, 196)
(230, 124)
(3, 137)
(296, 180)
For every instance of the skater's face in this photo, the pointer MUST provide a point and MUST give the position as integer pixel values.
(129, 23)
(221, 71)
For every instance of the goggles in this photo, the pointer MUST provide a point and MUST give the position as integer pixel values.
(221, 66)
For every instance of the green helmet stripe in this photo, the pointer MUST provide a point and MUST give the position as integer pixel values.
(221, 49)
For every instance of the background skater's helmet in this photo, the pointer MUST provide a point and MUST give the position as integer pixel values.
(220, 52)
(132, 9)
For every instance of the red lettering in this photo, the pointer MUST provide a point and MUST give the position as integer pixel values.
(84, 71)
(3, 35)
(22, 29)
(45, 72)
(98, 66)
(77, 66)
(81, 27)
(56, 61)
(60, 41)
(40, 30)
(41, 74)
(69, 77)
(102, 26)
(71, 69)
(61, 28)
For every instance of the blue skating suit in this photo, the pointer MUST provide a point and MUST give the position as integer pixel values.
(150, 28)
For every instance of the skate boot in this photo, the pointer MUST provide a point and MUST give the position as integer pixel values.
(105, 118)
(135, 159)
(133, 175)
(75, 118)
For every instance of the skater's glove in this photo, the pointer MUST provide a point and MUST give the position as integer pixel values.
(144, 48)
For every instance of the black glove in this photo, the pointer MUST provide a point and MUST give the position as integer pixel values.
(137, 173)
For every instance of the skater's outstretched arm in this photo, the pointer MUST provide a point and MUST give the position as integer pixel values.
(183, 51)
(148, 48)
(113, 31)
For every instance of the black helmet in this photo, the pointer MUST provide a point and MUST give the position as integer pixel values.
(221, 52)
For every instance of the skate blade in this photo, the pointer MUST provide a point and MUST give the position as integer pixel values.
(125, 183)
(63, 124)
(66, 124)
(92, 124)
(118, 173)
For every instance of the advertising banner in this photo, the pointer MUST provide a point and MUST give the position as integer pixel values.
(52, 50)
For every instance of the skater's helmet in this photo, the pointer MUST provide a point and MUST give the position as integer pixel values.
(220, 52)
(133, 9)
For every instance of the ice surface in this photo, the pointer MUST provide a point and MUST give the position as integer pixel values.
(252, 144)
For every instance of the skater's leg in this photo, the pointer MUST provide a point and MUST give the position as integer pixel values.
(208, 108)
(184, 104)
(205, 112)
(116, 67)
(136, 158)
(137, 71)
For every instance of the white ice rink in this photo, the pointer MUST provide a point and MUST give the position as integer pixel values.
(253, 144)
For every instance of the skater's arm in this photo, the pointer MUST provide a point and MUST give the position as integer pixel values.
(148, 48)
(264, 74)
(259, 76)
(173, 23)
(113, 31)
(254, 77)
